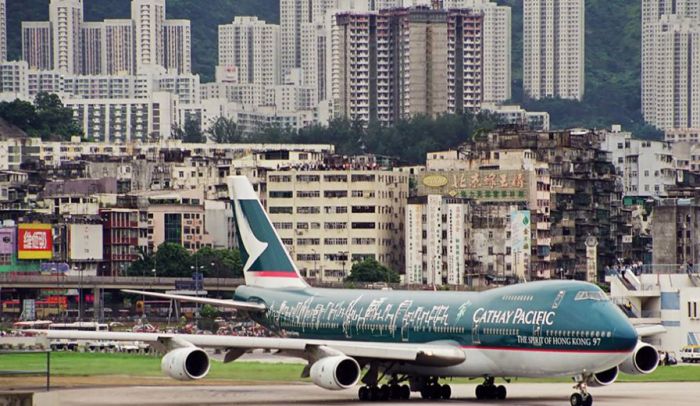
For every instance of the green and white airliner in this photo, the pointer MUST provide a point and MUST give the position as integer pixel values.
(398, 342)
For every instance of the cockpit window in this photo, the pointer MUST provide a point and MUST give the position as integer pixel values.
(591, 295)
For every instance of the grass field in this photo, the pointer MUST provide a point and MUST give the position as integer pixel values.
(65, 364)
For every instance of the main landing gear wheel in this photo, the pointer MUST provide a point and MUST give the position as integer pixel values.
(578, 399)
(433, 390)
(489, 391)
(384, 392)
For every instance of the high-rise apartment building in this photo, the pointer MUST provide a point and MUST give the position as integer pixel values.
(119, 48)
(3, 31)
(675, 79)
(553, 48)
(652, 11)
(148, 17)
(670, 73)
(293, 14)
(249, 49)
(36, 45)
(177, 40)
(93, 48)
(396, 63)
(314, 57)
(66, 18)
(497, 74)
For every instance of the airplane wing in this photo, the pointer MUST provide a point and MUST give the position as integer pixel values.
(439, 354)
(651, 330)
(249, 306)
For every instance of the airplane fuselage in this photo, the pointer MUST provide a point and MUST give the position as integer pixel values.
(535, 329)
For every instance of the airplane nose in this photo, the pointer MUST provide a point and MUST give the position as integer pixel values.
(625, 334)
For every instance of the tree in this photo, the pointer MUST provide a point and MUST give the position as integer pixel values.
(193, 132)
(54, 121)
(224, 131)
(222, 263)
(19, 113)
(369, 270)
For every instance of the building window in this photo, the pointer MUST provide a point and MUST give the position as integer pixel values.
(281, 194)
(281, 210)
(173, 228)
(363, 226)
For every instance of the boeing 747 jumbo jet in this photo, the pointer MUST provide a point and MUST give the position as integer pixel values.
(409, 340)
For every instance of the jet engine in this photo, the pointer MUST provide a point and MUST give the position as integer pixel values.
(643, 360)
(603, 378)
(185, 364)
(335, 373)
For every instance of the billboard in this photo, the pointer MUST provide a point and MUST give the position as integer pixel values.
(7, 240)
(85, 242)
(34, 241)
(520, 226)
(489, 186)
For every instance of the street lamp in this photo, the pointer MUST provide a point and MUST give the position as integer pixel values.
(344, 258)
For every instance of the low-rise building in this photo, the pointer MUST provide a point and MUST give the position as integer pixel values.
(647, 167)
(329, 219)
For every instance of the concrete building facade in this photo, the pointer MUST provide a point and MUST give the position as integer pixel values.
(329, 219)
(554, 48)
(37, 48)
(3, 31)
(66, 18)
(647, 167)
(177, 41)
(249, 49)
(396, 63)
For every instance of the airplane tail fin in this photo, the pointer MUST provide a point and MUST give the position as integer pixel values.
(266, 262)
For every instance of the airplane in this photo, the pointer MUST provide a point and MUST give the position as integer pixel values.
(408, 339)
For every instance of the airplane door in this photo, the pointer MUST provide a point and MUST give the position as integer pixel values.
(476, 340)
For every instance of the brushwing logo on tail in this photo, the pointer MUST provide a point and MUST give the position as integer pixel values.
(254, 247)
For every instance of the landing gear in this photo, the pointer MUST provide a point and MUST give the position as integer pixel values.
(489, 391)
(435, 391)
(582, 397)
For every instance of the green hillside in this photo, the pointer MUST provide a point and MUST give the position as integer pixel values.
(612, 51)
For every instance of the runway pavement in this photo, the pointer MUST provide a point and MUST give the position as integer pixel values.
(635, 394)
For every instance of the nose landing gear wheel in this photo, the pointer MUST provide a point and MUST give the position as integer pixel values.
(578, 399)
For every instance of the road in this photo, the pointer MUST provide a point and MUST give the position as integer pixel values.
(633, 394)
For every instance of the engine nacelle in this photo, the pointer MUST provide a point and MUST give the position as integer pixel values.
(644, 360)
(335, 373)
(185, 364)
(603, 378)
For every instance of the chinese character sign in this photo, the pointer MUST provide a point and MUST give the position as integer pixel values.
(482, 185)
(34, 241)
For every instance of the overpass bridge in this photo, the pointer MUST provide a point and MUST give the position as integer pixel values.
(33, 281)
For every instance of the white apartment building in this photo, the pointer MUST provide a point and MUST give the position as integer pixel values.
(177, 40)
(314, 57)
(330, 219)
(148, 17)
(688, 135)
(647, 167)
(652, 11)
(119, 47)
(554, 48)
(293, 14)
(437, 236)
(672, 90)
(516, 115)
(249, 50)
(66, 18)
(126, 120)
(36, 44)
(3, 31)
(13, 79)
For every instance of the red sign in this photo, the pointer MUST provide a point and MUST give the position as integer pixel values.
(34, 241)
